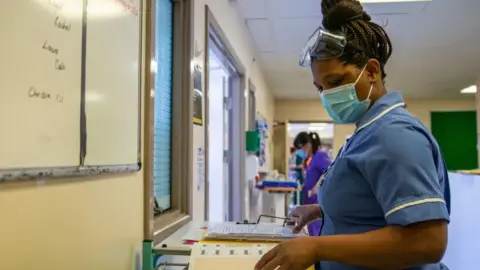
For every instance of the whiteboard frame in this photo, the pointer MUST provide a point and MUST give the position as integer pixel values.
(10, 175)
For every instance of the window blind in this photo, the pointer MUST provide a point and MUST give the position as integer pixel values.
(163, 104)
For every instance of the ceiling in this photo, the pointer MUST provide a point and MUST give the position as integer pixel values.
(436, 44)
(324, 130)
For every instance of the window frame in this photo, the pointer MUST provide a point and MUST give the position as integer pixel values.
(158, 227)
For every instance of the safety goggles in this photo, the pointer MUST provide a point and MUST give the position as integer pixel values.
(322, 45)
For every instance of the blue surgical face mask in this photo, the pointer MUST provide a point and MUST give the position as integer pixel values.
(301, 153)
(342, 103)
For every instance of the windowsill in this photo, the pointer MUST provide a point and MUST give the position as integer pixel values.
(167, 223)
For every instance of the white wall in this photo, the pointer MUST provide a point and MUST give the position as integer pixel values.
(233, 26)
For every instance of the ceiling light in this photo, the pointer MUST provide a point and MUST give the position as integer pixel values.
(469, 90)
(317, 128)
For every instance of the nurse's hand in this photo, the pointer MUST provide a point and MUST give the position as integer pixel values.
(296, 254)
(304, 214)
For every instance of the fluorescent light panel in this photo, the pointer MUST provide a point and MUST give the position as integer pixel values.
(469, 90)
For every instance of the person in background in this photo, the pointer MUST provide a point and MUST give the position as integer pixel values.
(295, 170)
(384, 201)
(301, 155)
(318, 164)
(292, 163)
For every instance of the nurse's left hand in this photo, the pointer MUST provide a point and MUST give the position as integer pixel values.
(296, 254)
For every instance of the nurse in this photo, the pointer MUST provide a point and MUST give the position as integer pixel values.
(310, 142)
(383, 201)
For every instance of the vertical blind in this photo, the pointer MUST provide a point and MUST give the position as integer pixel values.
(163, 104)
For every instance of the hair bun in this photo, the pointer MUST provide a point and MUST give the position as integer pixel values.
(339, 12)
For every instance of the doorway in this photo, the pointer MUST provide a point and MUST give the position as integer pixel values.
(456, 134)
(223, 101)
(285, 133)
(323, 129)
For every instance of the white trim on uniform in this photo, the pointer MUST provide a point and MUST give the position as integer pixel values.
(387, 110)
(414, 203)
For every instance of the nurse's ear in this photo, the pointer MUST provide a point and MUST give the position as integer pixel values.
(373, 70)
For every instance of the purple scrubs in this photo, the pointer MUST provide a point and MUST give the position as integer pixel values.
(318, 165)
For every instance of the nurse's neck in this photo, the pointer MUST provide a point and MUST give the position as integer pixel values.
(376, 95)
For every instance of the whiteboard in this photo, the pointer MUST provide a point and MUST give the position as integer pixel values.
(69, 87)
(112, 83)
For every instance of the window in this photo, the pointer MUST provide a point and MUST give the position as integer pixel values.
(168, 117)
(163, 107)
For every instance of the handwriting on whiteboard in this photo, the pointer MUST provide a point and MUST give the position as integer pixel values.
(50, 48)
(129, 5)
(43, 95)
(62, 24)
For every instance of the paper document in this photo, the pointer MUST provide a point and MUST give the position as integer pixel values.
(250, 231)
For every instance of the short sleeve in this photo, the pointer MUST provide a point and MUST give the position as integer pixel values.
(401, 168)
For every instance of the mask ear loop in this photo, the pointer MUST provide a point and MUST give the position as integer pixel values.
(358, 78)
(370, 92)
(371, 86)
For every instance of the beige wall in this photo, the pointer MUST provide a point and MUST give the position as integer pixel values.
(312, 110)
(95, 224)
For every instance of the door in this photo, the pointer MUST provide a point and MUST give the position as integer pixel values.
(217, 149)
(230, 164)
(456, 133)
(280, 148)
(226, 154)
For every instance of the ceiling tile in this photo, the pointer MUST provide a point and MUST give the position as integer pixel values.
(253, 9)
(261, 31)
(291, 34)
(294, 8)
(396, 7)
(281, 62)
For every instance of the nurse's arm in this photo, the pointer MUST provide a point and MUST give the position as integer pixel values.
(393, 247)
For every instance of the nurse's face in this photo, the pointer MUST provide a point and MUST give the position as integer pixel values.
(307, 148)
(331, 73)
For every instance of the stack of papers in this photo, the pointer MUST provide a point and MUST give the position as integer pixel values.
(250, 232)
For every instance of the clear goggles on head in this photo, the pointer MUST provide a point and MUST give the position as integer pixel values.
(322, 45)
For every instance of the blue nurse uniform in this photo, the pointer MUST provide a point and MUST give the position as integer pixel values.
(390, 172)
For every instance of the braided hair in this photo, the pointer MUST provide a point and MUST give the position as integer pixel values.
(366, 39)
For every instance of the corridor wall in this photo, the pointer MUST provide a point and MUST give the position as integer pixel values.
(312, 110)
(232, 25)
